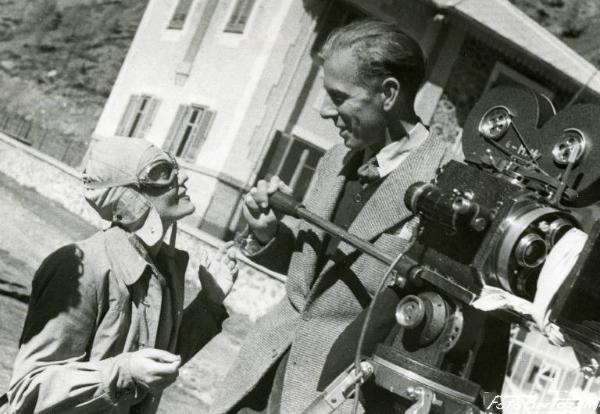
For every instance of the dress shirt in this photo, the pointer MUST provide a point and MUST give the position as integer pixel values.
(392, 155)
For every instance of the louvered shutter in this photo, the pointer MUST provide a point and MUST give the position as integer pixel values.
(175, 130)
(199, 135)
(240, 15)
(246, 10)
(233, 19)
(180, 14)
(148, 118)
(275, 155)
(127, 117)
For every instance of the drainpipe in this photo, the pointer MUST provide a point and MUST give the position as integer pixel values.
(184, 68)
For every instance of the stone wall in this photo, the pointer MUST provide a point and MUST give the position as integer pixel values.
(256, 290)
(469, 76)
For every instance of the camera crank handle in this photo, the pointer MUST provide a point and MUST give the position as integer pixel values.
(285, 203)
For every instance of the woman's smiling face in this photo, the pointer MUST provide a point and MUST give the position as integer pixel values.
(171, 202)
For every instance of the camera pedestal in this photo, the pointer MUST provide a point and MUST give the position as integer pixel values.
(407, 378)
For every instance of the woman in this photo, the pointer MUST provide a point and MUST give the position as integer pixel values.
(106, 331)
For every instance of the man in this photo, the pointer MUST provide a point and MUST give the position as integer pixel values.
(372, 71)
(106, 331)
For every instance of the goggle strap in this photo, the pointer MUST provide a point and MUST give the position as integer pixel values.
(108, 184)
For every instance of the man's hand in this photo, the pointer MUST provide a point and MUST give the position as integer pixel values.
(154, 369)
(260, 217)
(218, 275)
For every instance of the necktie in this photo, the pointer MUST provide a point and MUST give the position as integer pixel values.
(369, 171)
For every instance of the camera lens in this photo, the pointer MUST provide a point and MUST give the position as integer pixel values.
(531, 251)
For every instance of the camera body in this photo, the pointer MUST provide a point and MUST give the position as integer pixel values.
(493, 221)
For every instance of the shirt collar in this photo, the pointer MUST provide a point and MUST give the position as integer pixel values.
(392, 155)
(129, 257)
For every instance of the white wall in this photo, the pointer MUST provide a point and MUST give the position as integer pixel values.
(224, 76)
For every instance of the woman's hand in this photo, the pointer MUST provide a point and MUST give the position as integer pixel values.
(217, 275)
(154, 369)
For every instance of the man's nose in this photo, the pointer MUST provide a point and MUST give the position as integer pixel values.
(328, 111)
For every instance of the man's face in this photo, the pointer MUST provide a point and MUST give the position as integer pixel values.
(356, 110)
(171, 202)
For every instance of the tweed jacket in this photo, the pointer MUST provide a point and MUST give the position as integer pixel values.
(318, 307)
(91, 304)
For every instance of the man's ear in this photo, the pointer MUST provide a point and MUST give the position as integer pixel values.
(390, 89)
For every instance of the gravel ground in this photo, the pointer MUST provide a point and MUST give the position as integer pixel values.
(32, 227)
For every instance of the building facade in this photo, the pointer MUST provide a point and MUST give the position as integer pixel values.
(233, 87)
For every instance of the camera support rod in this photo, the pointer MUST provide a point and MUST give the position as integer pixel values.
(288, 205)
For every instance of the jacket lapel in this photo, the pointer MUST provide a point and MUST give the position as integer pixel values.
(177, 268)
(386, 209)
(323, 201)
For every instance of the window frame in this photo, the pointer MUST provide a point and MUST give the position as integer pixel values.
(198, 135)
(235, 23)
(180, 23)
(271, 166)
(138, 116)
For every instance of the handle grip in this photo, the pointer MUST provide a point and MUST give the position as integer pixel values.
(285, 203)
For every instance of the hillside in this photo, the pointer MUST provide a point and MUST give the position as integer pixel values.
(575, 22)
(58, 61)
(60, 58)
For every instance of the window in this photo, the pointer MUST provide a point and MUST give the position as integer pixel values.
(189, 131)
(293, 160)
(240, 15)
(138, 116)
(180, 14)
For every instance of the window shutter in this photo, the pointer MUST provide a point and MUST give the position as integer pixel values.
(246, 10)
(275, 155)
(199, 135)
(130, 109)
(174, 131)
(148, 118)
(235, 15)
(293, 160)
(240, 15)
(237, 10)
(180, 14)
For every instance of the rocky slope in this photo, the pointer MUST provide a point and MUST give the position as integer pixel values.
(59, 59)
(575, 22)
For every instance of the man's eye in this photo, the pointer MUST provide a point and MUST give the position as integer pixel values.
(337, 99)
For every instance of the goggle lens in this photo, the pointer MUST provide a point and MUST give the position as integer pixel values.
(160, 174)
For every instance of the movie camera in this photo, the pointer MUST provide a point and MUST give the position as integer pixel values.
(491, 221)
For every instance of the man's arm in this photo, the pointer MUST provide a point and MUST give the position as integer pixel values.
(51, 371)
(273, 248)
(277, 252)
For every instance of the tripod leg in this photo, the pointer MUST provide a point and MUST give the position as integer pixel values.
(340, 389)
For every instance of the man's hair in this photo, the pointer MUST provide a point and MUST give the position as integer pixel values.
(382, 50)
